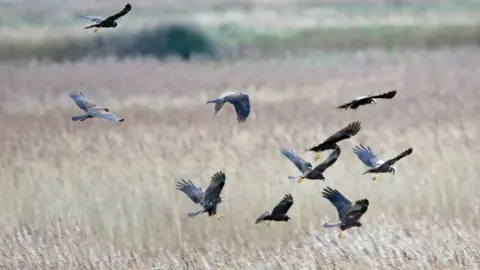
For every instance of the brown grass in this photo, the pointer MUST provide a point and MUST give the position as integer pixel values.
(95, 195)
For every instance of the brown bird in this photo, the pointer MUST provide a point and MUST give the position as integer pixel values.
(109, 22)
(360, 101)
(279, 213)
(349, 214)
(329, 144)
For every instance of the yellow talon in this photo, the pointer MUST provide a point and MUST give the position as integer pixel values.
(347, 108)
(220, 216)
(269, 223)
(318, 156)
(376, 177)
(340, 235)
(96, 30)
(300, 180)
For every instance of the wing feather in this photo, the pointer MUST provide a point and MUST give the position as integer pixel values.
(283, 206)
(241, 102)
(387, 95)
(103, 114)
(95, 19)
(329, 161)
(405, 153)
(345, 133)
(367, 156)
(123, 12)
(302, 165)
(212, 193)
(342, 204)
(81, 101)
(193, 192)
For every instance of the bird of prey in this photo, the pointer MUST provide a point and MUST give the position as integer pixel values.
(91, 110)
(239, 100)
(306, 168)
(208, 199)
(330, 143)
(360, 101)
(348, 213)
(279, 213)
(375, 163)
(108, 22)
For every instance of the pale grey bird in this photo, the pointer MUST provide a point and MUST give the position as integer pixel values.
(375, 163)
(91, 110)
(239, 100)
(306, 167)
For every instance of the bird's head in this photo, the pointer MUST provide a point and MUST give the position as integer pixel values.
(115, 24)
(392, 170)
(221, 199)
(358, 224)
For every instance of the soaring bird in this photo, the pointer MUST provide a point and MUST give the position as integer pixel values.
(279, 213)
(306, 170)
(330, 143)
(109, 22)
(91, 110)
(348, 214)
(375, 163)
(360, 101)
(239, 100)
(208, 199)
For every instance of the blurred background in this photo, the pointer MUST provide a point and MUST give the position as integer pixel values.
(220, 29)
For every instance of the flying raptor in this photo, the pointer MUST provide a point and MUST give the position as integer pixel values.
(306, 168)
(91, 110)
(239, 100)
(109, 22)
(375, 163)
(208, 199)
(331, 142)
(348, 214)
(360, 101)
(279, 213)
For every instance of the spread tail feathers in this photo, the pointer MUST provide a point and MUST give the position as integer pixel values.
(80, 117)
(331, 225)
(193, 214)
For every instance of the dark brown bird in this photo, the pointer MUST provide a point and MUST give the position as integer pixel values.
(279, 213)
(348, 214)
(317, 172)
(360, 101)
(109, 22)
(329, 144)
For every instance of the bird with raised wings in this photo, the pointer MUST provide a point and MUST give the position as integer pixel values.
(239, 100)
(279, 212)
(375, 163)
(370, 99)
(348, 214)
(208, 199)
(306, 168)
(109, 22)
(91, 110)
(331, 142)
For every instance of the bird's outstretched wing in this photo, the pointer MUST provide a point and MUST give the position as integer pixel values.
(193, 192)
(347, 132)
(212, 193)
(405, 153)
(358, 209)
(262, 217)
(101, 113)
(241, 102)
(81, 101)
(95, 19)
(302, 165)
(342, 204)
(124, 11)
(332, 158)
(387, 95)
(367, 156)
(282, 207)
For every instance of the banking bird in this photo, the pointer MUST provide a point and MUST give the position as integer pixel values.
(375, 163)
(348, 214)
(306, 168)
(109, 22)
(91, 110)
(331, 142)
(360, 101)
(279, 213)
(208, 199)
(239, 100)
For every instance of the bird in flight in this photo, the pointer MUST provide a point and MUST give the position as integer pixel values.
(375, 163)
(91, 110)
(360, 101)
(348, 214)
(208, 199)
(109, 22)
(331, 142)
(306, 168)
(239, 100)
(279, 213)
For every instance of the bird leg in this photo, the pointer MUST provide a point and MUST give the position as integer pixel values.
(269, 223)
(376, 177)
(219, 216)
(340, 234)
(318, 156)
(300, 180)
(96, 30)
